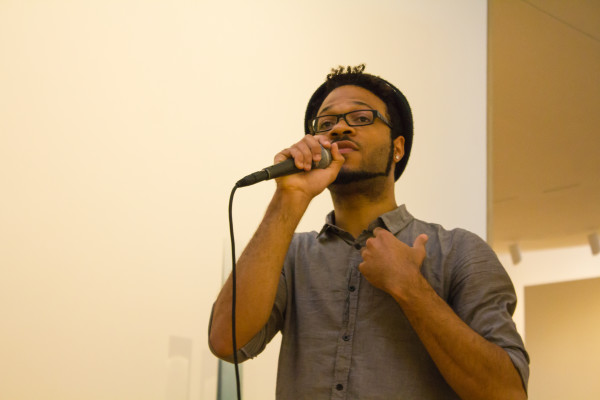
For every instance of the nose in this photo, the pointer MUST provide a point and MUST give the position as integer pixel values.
(341, 128)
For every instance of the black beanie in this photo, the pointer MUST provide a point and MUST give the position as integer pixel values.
(397, 105)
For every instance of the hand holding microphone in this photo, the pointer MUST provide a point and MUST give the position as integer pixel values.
(286, 167)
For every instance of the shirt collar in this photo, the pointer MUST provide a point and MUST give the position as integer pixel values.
(397, 219)
(394, 221)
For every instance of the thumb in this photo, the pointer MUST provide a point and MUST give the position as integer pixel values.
(337, 157)
(420, 242)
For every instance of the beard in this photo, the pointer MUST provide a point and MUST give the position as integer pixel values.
(369, 171)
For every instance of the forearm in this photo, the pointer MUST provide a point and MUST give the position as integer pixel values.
(474, 367)
(257, 273)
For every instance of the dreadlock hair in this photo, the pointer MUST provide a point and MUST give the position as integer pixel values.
(397, 105)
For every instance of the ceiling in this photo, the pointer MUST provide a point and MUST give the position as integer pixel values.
(543, 122)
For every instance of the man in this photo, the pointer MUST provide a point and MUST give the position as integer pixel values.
(378, 304)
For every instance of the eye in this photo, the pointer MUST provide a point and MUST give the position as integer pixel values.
(325, 123)
(361, 117)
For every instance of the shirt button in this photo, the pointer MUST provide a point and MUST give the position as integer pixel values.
(339, 386)
(357, 246)
(352, 288)
(346, 338)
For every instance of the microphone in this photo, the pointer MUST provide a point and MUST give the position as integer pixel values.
(283, 168)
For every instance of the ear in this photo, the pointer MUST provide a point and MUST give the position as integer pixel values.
(398, 144)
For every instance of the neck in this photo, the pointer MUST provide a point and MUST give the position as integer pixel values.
(357, 204)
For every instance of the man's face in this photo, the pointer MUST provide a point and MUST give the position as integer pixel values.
(368, 150)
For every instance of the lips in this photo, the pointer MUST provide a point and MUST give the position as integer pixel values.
(346, 146)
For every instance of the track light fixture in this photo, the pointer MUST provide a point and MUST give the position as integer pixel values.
(594, 240)
(515, 253)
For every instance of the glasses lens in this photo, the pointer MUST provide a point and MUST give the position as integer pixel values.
(325, 123)
(361, 117)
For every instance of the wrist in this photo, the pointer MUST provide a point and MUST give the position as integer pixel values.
(287, 207)
(292, 197)
(414, 293)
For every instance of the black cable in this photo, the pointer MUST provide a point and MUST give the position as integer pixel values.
(233, 295)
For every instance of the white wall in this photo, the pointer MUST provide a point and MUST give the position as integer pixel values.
(548, 266)
(562, 331)
(542, 267)
(123, 126)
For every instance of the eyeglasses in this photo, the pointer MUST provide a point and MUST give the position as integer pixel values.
(325, 123)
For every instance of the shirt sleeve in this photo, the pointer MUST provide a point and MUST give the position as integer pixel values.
(258, 343)
(483, 296)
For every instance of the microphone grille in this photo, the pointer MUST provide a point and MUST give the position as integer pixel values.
(325, 159)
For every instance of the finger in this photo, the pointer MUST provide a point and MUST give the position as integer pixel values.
(315, 147)
(312, 151)
(421, 241)
(338, 158)
(323, 141)
(282, 156)
(369, 243)
(379, 231)
(302, 155)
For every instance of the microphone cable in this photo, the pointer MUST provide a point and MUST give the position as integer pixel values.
(283, 168)
(233, 295)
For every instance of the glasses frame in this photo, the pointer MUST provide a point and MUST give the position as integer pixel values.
(376, 114)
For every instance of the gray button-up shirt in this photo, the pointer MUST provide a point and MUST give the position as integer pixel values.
(342, 338)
